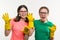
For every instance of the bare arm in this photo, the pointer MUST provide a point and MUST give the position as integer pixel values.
(31, 31)
(7, 20)
(7, 32)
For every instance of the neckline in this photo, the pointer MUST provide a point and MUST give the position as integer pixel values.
(43, 22)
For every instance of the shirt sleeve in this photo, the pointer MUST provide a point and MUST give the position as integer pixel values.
(11, 23)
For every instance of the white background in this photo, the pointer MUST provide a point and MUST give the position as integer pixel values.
(11, 6)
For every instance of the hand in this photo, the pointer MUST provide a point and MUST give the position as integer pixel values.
(30, 17)
(26, 30)
(5, 17)
(7, 21)
(52, 30)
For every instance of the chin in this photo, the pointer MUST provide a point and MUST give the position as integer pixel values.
(23, 17)
(43, 20)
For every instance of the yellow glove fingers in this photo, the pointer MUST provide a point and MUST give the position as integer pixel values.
(5, 17)
(53, 29)
(29, 14)
(7, 14)
(7, 21)
(31, 19)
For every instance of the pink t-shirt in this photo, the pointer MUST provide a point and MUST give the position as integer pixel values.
(17, 28)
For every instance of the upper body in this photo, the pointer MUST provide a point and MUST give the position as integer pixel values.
(18, 24)
(17, 29)
(42, 31)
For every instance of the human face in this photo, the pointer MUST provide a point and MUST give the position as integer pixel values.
(43, 14)
(23, 13)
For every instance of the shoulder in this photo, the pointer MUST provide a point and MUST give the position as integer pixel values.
(12, 20)
(50, 23)
(36, 20)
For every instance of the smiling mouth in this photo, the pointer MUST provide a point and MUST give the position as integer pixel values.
(43, 17)
(23, 15)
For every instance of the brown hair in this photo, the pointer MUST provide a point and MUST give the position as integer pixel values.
(43, 7)
(18, 17)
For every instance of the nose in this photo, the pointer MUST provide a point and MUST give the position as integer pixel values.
(43, 14)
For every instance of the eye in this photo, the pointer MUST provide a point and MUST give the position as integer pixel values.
(43, 12)
(23, 11)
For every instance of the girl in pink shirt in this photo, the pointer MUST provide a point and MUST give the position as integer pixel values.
(18, 24)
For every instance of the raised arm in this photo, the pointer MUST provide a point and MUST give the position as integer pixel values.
(7, 24)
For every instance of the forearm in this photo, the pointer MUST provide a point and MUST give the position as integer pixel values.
(26, 37)
(31, 31)
(7, 32)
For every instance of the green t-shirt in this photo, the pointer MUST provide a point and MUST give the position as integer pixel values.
(42, 31)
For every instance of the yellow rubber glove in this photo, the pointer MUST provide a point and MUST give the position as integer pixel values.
(30, 24)
(7, 21)
(31, 19)
(52, 30)
(26, 31)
